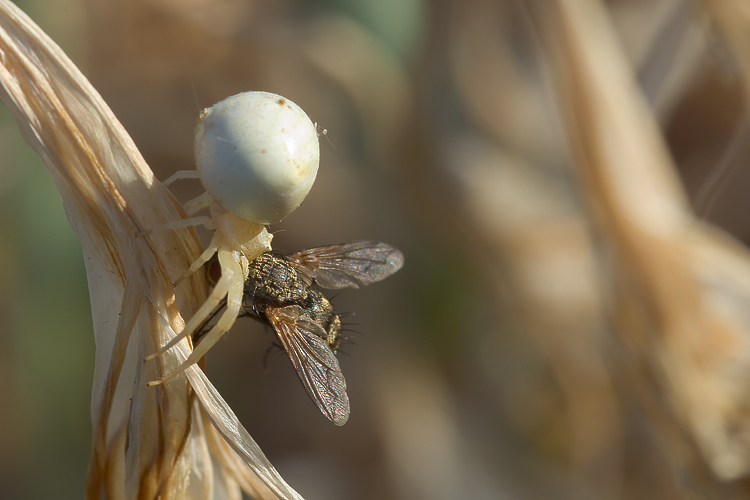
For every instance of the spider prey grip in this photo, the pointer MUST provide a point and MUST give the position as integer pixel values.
(282, 291)
(257, 155)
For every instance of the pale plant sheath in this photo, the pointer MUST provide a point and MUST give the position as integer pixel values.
(148, 442)
(680, 288)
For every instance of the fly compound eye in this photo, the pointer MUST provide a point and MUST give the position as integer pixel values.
(257, 155)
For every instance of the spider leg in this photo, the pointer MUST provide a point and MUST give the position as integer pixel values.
(197, 204)
(181, 174)
(227, 319)
(202, 220)
(201, 331)
(213, 300)
(232, 283)
(209, 252)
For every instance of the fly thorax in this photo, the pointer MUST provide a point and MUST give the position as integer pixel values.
(276, 280)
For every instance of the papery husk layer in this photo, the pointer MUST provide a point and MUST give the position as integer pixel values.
(148, 442)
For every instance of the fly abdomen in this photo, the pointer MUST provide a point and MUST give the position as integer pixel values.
(319, 309)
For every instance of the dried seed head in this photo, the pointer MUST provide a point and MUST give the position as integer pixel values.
(257, 154)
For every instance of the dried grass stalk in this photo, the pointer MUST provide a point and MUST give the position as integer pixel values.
(147, 442)
(733, 20)
(680, 289)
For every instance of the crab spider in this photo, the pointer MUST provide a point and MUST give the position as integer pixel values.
(257, 155)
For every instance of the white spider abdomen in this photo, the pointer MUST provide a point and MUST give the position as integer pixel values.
(257, 154)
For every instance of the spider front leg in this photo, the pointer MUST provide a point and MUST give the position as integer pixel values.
(211, 249)
(230, 285)
(182, 174)
(213, 301)
(201, 220)
(234, 304)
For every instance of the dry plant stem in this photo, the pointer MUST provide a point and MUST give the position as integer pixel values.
(46, 109)
(721, 175)
(680, 288)
(146, 441)
(664, 51)
(522, 213)
(733, 19)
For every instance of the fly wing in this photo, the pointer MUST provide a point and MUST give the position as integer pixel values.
(352, 265)
(316, 365)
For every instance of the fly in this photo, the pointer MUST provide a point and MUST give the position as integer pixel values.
(282, 290)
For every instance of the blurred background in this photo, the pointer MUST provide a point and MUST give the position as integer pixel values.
(487, 368)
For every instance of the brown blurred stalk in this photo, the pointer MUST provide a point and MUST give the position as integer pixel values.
(679, 289)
